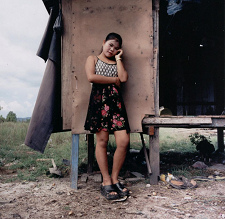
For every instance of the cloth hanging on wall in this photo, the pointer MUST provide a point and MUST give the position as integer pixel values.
(46, 117)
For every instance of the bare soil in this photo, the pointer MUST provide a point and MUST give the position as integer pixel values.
(54, 198)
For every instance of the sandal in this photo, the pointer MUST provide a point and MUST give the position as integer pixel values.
(106, 190)
(119, 188)
(182, 183)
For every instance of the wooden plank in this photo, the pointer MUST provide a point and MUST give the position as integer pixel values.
(74, 161)
(176, 120)
(66, 65)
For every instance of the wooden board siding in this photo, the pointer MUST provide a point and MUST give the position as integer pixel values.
(67, 65)
(90, 22)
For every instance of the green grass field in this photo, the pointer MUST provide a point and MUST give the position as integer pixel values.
(29, 164)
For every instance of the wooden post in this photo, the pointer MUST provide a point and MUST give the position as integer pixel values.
(154, 140)
(220, 139)
(155, 15)
(154, 156)
(90, 140)
(74, 161)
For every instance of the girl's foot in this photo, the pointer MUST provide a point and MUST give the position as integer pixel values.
(109, 192)
(121, 189)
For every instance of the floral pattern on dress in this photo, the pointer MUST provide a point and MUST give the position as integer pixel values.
(106, 110)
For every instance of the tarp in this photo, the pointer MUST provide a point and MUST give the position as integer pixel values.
(46, 117)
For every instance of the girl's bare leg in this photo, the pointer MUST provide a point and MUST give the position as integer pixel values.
(102, 138)
(122, 141)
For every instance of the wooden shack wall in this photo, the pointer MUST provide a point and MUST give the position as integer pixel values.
(66, 68)
(86, 24)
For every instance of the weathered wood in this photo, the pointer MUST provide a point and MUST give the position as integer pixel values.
(154, 157)
(185, 122)
(74, 161)
(176, 120)
(155, 15)
(66, 64)
(129, 18)
(154, 136)
(90, 140)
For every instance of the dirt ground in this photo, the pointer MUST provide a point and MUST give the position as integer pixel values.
(54, 198)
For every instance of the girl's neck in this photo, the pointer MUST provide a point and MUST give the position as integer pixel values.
(110, 60)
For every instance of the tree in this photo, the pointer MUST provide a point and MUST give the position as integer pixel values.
(11, 117)
(2, 119)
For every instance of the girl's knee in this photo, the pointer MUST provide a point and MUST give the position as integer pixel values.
(102, 142)
(102, 139)
(123, 143)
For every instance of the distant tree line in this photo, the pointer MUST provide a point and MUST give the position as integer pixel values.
(11, 117)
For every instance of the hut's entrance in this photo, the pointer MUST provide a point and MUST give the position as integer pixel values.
(191, 64)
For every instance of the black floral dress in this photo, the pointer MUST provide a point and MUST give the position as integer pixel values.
(106, 109)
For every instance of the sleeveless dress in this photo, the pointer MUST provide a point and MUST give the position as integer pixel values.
(106, 110)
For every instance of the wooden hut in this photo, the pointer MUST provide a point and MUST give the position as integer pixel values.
(174, 54)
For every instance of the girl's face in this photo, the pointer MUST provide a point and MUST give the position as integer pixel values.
(110, 48)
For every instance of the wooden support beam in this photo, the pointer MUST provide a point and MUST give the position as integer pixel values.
(154, 132)
(74, 161)
(220, 139)
(90, 140)
(154, 157)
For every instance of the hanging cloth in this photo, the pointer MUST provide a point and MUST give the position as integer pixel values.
(46, 118)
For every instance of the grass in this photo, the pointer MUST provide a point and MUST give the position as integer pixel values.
(24, 163)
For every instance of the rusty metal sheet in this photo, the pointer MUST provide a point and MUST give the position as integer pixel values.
(91, 22)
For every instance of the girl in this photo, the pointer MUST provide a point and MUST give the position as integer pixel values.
(106, 113)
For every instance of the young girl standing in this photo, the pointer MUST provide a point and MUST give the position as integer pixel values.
(106, 113)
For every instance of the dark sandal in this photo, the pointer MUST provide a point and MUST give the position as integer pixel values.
(119, 188)
(106, 190)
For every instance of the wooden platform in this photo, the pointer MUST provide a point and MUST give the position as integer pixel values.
(185, 121)
(151, 125)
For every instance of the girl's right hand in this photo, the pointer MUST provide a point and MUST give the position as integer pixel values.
(119, 53)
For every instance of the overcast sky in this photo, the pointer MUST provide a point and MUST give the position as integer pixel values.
(21, 70)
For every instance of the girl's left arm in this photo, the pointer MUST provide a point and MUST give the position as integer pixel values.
(122, 73)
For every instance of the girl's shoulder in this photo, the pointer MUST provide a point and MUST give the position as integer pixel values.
(92, 58)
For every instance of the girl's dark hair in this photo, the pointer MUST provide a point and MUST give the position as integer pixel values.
(114, 36)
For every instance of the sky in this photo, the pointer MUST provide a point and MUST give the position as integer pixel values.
(22, 25)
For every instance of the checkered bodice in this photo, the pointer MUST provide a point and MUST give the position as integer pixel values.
(102, 68)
